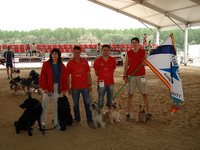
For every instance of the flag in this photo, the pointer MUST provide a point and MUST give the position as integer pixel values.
(163, 62)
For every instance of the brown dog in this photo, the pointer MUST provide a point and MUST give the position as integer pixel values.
(141, 114)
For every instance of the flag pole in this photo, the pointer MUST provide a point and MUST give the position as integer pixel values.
(128, 79)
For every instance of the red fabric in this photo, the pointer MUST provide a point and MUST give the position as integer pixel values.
(135, 60)
(105, 69)
(46, 78)
(78, 71)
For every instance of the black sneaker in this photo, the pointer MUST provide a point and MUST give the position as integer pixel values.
(128, 117)
(149, 116)
(11, 75)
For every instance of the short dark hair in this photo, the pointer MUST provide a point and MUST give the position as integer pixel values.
(59, 55)
(106, 45)
(77, 48)
(136, 39)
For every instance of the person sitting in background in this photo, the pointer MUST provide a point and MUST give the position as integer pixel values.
(33, 49)
(28, 50)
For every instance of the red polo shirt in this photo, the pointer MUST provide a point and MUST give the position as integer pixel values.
(135, 60)
(105, 69)
(78, 71)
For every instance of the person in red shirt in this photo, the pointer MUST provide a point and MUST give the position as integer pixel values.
(53, 82)
(79, 70)
(104, 67)
(134, 59)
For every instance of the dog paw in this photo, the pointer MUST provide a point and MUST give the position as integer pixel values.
(30, 134)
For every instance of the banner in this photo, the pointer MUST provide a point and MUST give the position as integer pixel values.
(163, 62)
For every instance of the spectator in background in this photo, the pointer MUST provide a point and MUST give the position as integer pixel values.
(28, 50)
(98, 47)
(144, 37)
(33, 49)
(9, 57)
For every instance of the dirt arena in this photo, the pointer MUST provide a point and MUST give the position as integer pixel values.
(178, 131)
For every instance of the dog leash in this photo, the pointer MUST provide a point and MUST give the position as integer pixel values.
(128, 80)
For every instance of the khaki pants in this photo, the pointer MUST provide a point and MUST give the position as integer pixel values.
(137, 81)
(45, 104)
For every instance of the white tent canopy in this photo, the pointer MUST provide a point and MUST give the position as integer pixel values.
(161, 14)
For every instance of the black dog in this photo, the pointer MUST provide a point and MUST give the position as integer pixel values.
(32, 113)
(64, 113)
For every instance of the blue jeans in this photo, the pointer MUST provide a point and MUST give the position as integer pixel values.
(101, 92)
(86, 100)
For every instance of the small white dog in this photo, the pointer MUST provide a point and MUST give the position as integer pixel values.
(114, 113)
(97, 116)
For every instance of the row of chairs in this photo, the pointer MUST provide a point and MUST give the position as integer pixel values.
(39, 47)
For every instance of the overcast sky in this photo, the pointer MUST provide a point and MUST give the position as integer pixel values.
(29, 15)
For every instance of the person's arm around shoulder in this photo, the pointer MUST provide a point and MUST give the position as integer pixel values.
(125, 77)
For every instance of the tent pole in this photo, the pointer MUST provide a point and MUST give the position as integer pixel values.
(186, 46)
(157, 36)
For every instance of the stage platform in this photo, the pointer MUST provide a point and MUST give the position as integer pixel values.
(36, 62)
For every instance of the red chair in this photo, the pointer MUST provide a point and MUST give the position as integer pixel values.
(16, 50)
(11, 46)
(43, 46)
(50, 50)
(127, 45)
(82, 49)
(90, 46)
(21, 50)
(16, 46)
(85, 46)
(71, 48)
(21, 46)
(38, 47)
(0, 47)
(65, 46)
(54, 46)
(60, 46)
(4, 47)
(67, 50)
(62, 50)
(49, 47)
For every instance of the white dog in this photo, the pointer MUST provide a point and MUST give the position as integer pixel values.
(97, 116)
(114, 113)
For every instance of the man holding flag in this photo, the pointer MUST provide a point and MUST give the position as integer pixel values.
(134, 61)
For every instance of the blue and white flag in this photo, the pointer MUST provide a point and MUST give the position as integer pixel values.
(163, 62)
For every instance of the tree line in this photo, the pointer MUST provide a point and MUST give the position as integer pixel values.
(93, 36)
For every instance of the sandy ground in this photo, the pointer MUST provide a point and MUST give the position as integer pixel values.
(178, 131)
